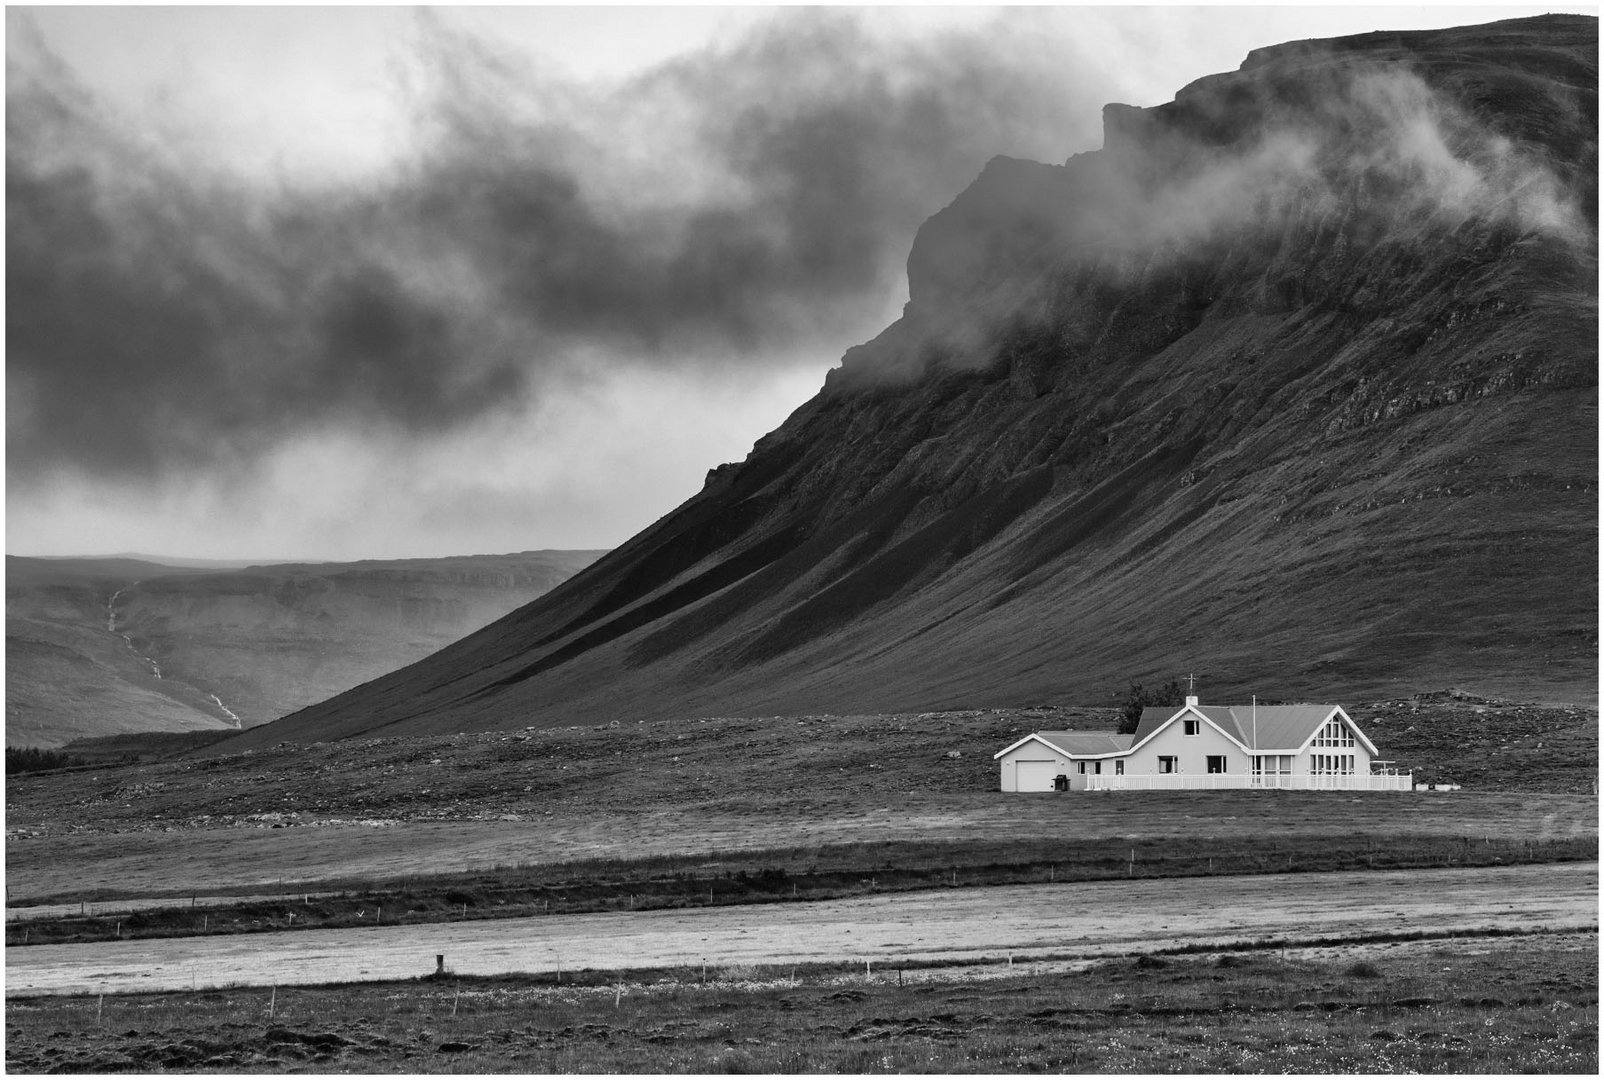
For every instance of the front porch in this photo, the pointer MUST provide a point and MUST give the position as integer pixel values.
(1277, 781)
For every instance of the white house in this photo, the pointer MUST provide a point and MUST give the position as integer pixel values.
(1299, 747)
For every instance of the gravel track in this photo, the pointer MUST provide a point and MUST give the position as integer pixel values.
(957, 926)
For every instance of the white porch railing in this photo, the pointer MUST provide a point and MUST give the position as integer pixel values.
(1276, 781)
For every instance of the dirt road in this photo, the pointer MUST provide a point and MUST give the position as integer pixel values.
(1086, 919)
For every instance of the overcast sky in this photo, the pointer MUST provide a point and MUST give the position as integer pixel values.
(381, 282)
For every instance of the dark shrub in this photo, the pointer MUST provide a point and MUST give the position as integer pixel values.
(24, 759)
(1140, 698)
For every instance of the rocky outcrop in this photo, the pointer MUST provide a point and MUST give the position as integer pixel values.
(1293, 383)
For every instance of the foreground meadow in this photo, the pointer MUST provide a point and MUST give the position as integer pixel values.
(1526, 1004)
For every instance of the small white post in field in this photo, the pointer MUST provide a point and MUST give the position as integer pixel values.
(1010, 958)
(454, 1002)
(868, 967)
(99, 1007)
(272, 1003)
(618, 994)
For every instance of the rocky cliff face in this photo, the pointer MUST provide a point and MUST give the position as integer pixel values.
(1292, 384)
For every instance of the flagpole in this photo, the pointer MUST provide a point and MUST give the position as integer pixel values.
(1256, 754)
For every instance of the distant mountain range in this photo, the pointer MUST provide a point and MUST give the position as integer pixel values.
(114, 644)
(1293, 385)
(170, 561)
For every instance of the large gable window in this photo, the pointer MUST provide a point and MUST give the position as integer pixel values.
(1334, 733)
(1193, 727)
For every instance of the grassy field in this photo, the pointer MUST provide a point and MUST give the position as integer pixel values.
(392, 808)
(1490, 1005)
(789, 875)
(739, 810)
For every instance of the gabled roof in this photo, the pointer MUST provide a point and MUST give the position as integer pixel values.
(1283, 728)
(1087, 743)
(1075, 743)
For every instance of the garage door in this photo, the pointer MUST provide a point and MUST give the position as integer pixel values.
(1036, 775)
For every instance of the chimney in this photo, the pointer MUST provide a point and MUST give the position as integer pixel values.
(1191, 699)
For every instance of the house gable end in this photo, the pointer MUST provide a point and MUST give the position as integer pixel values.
(1184, 710)
(1033, 736)
(1338, 713)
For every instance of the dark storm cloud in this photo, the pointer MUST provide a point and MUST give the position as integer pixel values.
(729, 207)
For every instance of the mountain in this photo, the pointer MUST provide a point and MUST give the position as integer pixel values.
(1292, 384)
(102, 646)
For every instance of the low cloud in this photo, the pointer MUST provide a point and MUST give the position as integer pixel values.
(1352, 152)
(731, 208)
(1376, 141)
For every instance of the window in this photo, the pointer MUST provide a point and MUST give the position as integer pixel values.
(1166, 764)
(1097, 767)
(1334, 734)
(1193, 727)
(1216, 763)
(1081, 765)
(1119, 767)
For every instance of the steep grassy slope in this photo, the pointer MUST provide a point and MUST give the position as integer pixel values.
(1293, 384)
(99, 647)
